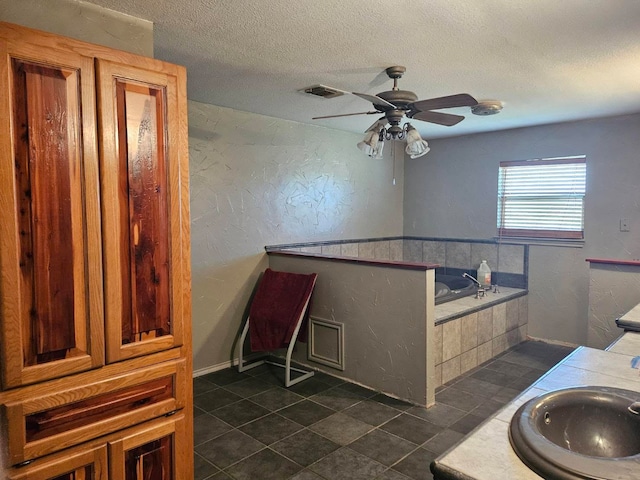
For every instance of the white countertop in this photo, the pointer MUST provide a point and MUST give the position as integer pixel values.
(627, 344)
(486, 454)
(632, 315)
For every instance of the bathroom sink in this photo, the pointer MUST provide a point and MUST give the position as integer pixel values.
(580, 433)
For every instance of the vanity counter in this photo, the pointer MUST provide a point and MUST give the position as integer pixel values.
(486, 454)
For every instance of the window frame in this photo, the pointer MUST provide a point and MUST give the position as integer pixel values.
(554, 234)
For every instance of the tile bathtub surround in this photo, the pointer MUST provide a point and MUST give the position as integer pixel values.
(434, 251)
(412, 250)
(462, 306)
(457, 254)
(463, 343)
(331, 429)
(509, 263)
(349, 250)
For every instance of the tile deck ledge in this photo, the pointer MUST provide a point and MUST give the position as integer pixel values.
(365, 261)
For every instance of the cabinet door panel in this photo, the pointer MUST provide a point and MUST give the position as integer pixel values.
(141, 210)
(141, 125)
(151, 452)
(50, 252)
(75, 464)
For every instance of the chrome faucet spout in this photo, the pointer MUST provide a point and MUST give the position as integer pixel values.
(480, 290)
(634, 408)
(466, 275)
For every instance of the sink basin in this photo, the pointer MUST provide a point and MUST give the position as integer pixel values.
(579, 433)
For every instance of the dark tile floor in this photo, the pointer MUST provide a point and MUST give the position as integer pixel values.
(249, 427)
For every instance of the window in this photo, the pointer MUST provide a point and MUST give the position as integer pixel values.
(542, 198)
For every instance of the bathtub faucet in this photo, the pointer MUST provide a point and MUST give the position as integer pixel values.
(466, 275)
(481, 290)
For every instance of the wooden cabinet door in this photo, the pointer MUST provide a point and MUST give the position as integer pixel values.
(51, 304)
(151, 451)
(75, 464)
(143, 191)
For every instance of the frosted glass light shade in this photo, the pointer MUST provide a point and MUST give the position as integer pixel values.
(371, 145)
(416, 146)
(370, 142)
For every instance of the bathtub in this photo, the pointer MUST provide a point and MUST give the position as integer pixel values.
(451, 287)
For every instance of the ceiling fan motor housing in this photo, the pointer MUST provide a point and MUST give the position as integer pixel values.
(394, 116)
(400, 98)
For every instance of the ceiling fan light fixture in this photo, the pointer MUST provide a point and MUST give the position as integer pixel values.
(371, 144)
(416, 146)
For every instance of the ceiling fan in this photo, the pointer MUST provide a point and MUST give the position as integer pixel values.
(394, 104)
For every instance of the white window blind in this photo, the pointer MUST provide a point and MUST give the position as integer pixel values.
(542, 198)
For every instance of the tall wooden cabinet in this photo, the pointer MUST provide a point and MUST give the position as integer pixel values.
(95, 298)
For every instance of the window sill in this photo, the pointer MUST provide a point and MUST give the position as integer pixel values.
(545, 242)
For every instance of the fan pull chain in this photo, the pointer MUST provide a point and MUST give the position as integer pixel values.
(394, 163)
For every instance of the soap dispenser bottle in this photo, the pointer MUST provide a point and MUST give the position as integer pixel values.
(484, 274)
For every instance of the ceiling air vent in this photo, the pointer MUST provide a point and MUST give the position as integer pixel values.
(323, 91)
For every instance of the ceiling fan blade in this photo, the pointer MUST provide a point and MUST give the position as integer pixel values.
(345, 115)
(376, 100)
(445, 119)
(450, 101)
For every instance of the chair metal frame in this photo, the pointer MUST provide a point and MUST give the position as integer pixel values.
(288, 381)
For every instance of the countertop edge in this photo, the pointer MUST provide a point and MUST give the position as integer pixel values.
(614, 261)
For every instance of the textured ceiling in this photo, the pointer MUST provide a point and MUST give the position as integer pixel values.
(547, 60)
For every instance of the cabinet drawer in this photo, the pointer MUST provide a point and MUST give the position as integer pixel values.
(60, 419)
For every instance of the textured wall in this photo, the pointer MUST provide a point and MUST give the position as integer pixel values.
(452, 192)
(388, 327)
(613, 291)
(82, 21)
(259, 181)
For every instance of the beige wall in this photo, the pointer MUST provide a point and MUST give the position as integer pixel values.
(613, 291)
(388, 320)
(452, 192)
(257, 181)
(82, 21)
